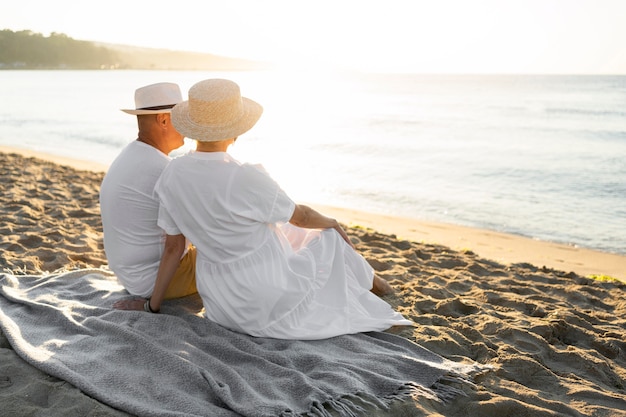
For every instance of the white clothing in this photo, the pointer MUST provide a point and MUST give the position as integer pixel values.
(133, 242)
(255, 272)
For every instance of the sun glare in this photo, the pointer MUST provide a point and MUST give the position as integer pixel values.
(369, 35)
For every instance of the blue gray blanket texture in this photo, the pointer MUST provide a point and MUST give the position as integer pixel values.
(178, 363)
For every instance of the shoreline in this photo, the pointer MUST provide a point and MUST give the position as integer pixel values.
(79, 164)
(500, 247)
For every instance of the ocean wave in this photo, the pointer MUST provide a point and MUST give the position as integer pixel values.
(584, 111)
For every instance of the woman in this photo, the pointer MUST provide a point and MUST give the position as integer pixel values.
(265, 266)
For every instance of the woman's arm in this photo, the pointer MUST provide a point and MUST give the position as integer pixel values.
(170, 260)
(174, 249)
(305, 217)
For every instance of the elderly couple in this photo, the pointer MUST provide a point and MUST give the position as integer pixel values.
(262, 264)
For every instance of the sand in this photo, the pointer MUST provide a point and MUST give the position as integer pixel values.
(556, 339)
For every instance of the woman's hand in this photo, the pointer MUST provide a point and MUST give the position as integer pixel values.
(344, 235)
(306, 217)
(135, 304)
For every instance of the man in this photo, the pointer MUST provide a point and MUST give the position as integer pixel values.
(133, 242)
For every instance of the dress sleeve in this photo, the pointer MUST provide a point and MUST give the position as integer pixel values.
(166, 222)
(263, 198)
(164, 219)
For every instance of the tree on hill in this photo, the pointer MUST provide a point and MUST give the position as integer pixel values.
(26, 49)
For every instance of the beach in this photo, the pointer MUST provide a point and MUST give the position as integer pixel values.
(555, 336)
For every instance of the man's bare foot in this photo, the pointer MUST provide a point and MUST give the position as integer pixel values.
(381, 287)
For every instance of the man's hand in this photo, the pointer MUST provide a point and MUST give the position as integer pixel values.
(135, 304)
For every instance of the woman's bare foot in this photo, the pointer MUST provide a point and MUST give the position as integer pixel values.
(381, 287)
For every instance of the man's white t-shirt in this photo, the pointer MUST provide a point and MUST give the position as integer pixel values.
(133, 242)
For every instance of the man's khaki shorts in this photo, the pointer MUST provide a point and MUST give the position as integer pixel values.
(184, 281)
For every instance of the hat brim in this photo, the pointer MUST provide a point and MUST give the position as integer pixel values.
(140, 112)
(185, 126)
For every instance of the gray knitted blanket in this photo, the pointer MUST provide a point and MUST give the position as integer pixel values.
(179, 364)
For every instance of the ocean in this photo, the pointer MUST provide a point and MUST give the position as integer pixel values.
(542, 156)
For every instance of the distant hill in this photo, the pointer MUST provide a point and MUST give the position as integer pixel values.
(29, 50)
(149, 58)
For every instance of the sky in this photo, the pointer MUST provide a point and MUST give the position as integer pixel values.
(423, 36)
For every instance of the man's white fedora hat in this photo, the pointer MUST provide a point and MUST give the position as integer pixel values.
(156, 98)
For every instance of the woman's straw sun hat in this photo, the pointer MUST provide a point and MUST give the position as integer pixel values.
(215, 111)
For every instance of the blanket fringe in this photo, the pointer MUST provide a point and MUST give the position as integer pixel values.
(446, 389)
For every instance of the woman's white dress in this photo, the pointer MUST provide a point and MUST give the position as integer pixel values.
(256, 273)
